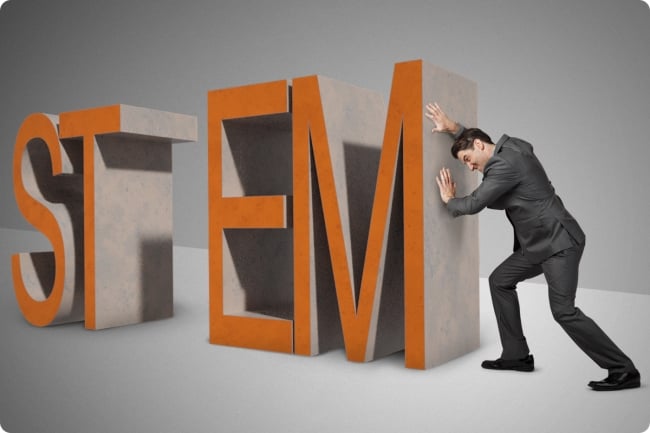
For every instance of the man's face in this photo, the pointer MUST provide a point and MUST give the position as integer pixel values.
(475, 158)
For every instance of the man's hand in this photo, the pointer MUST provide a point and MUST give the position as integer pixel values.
(447, 185)
(441, 122)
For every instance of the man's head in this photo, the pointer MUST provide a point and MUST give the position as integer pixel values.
(473, 148)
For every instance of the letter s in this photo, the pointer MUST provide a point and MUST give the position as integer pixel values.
(46, 284)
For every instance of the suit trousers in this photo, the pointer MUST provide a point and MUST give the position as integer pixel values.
(561, 273)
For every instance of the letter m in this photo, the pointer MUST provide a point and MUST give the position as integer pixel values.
(417, 287)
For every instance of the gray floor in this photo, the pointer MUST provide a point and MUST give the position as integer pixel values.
(165, 377)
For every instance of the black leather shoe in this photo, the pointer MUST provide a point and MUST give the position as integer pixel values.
(616, 381)
(525, 364)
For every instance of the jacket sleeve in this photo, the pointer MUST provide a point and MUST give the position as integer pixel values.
(500, 177)
(461, 129)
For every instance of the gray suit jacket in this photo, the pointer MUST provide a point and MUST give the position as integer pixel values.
(514, 180)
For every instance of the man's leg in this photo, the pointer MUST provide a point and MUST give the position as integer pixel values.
(503, 284)
(561, 272)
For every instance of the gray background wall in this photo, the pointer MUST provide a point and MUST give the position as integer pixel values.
(571, 76)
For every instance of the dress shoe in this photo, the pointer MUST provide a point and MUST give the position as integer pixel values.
(616, 381)
(524, 364)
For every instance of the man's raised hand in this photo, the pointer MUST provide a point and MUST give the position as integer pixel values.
(441, 122)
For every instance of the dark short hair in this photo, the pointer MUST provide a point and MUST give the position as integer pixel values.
(466, 140)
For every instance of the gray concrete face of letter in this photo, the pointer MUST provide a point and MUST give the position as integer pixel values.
(451, 245)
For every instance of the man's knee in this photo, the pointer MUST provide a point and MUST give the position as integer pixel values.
(493, 280)
(497, 280)
(563, 313)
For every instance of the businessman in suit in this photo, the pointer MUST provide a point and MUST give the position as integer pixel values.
(548, 240)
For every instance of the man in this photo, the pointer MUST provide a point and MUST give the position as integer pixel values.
(548, 240)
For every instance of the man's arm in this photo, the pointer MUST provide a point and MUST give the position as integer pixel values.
(499, 178)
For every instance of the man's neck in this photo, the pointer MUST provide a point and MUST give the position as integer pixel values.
(490, 149)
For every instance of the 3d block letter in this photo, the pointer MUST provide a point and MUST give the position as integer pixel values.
(48, 285)
(417, 288)
(249, 196)
(127, 170)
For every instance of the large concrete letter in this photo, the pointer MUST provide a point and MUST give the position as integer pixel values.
(48, 285)
(127, 188)
(249, 187)
(427, 257)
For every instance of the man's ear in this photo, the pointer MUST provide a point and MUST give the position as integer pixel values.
(478, 144)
